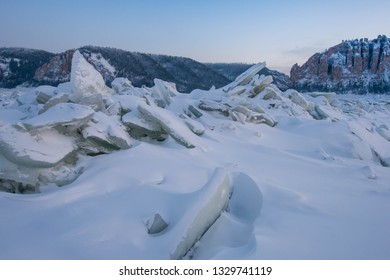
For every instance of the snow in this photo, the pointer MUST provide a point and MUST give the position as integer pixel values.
(100, 61)
(313, 185)
(337, 59)
(10, 115)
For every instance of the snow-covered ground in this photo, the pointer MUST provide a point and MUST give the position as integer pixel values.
(243, 172)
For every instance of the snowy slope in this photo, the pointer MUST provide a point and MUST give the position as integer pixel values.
(274, 175)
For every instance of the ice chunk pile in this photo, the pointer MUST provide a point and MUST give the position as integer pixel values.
(252, 99)
(55, 127)
(239, 100)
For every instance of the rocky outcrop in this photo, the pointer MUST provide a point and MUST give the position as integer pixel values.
(357, 66)
(57, 70)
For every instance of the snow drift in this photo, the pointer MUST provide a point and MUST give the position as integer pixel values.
(243, 171)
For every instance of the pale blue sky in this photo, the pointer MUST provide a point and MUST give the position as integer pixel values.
(280, 32)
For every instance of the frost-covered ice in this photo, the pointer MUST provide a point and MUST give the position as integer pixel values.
(170, 123)
(43, 150)
(121, 85)
(84, 78)
(206, 207)
(108, 131)
(270, 174)
(63, 114)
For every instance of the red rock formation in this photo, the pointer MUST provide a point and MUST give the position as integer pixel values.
(352, 66)
(57, 69)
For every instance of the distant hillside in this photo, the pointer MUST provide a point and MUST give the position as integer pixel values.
(232, 70)
(356, 66)
(141, 68)
(18, 65)
(33, 67)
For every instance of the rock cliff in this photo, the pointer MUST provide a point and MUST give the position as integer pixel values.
(357, 66)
